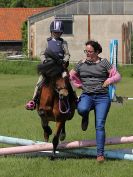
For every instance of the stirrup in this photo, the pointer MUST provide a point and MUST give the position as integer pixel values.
(31, 105)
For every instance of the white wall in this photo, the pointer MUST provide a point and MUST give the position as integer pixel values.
(42, 33)
(107, 27)
(75, 41)
(103, 28)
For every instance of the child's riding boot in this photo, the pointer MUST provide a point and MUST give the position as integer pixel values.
(31, 105)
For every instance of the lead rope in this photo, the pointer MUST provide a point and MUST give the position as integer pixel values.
(67, 106)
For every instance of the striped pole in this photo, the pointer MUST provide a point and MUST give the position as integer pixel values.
(113, 61)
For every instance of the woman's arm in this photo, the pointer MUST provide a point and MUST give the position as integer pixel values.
(114, 77)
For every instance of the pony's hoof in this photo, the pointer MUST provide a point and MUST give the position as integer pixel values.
(49, 130)
(52, 157)
(62, 136)
(46, 139)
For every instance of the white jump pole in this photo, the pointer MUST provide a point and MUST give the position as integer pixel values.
(130, 98)
(67, 145)
(18, 141)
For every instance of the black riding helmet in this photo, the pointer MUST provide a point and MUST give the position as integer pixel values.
(57, 26)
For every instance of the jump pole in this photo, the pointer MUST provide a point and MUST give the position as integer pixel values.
(113, 61)
(66, 145)
(80, 153)
(126, 151)
(18, 141)
(82, 143)
(25, 142)
(108, 153)
(130, 98)
(125, 154)
(127, 98)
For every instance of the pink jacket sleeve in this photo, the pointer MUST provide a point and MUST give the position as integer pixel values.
(75, 79)
(114, 76)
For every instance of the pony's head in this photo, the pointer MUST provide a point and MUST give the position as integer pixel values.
(61, 87)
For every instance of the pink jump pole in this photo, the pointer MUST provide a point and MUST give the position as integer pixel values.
(67, 145)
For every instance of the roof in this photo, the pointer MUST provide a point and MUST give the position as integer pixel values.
(87, 7)
(11, 20)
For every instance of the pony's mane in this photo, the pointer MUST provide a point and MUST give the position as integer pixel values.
(49, 69)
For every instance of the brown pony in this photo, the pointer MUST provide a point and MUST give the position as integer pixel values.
(57, 103)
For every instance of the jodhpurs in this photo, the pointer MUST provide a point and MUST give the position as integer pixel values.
(39, 82)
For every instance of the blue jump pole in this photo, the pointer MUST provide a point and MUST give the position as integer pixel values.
(113, 61)
(108, 153)
(82, 152)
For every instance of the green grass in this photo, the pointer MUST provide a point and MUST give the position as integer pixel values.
(126, 71)
(18, 67)
(28, 67)
(15, 121)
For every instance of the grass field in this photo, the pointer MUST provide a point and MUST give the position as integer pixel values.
(15, 121)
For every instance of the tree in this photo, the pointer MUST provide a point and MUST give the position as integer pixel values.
(24, 38)
(30, 3)
(132, 48)
(5, 3)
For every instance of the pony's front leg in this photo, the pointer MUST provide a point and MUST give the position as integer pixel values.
(63, 132)
(46, 128)
(56, 136)
(47, 132)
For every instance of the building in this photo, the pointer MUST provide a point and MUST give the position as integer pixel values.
(100, 20)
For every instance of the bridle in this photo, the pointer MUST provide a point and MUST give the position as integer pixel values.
(63, 99)
(66, 104)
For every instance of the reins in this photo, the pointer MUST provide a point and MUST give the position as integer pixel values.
(64, 105)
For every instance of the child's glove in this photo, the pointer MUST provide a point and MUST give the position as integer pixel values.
(65, 64)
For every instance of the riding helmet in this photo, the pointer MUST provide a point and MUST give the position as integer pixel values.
(57, 26)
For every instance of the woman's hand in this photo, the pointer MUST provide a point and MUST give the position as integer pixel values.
(106, 84)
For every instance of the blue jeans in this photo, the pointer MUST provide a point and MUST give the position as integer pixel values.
(100, 103)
